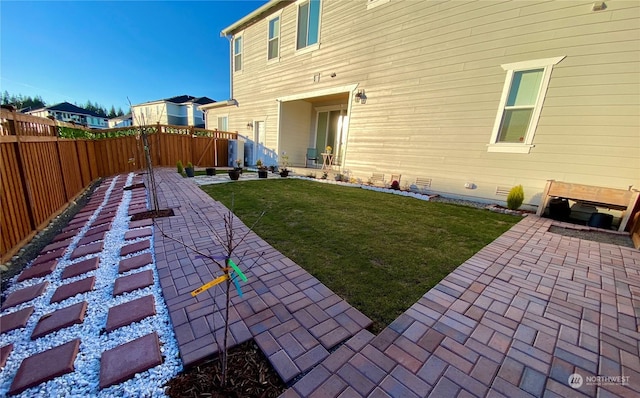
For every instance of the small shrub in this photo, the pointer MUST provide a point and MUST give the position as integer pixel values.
(395, 185)
(180, 167)
(515, 197)
(190, 165)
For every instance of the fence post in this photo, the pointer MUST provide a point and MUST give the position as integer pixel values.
(24, 178)
(159, 142)
(54, 131)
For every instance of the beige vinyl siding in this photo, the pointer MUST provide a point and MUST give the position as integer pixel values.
(150, 114)
(432, 75)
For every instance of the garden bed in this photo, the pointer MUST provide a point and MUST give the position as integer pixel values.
(250, 375)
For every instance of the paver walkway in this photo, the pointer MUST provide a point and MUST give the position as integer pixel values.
(294, 319)
(515, 320)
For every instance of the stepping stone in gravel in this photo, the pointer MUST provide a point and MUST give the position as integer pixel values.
(124, 361)
(134, 262)
(92, 238)
(104, 220)
(24, 295)
(81, 267)
(45, 366)
(135, 210)
(74, 225)
(71, 289)
(60, 319)
(137, 233)
(87, 249)
(129, 312)
(4, 354)
(43, 258)
(38, 271)
(15, 320)
(140, 223)
(64, 236)
(133, 282)
(87, 211)
(98, 229)
(57, 245)
(135, 247)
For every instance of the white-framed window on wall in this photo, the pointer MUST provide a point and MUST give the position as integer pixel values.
(308, 32)
(223, 123)
(273, 41)
(237, 54)
(521, 103)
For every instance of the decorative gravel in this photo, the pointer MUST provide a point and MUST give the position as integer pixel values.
(84, 381)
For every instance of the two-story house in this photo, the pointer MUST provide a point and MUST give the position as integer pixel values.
(67, 112)
(181, 110)
(121, 121)
(468, 97)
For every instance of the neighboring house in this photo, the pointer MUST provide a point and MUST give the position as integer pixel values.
(67, 112)
(468, 97)
(177, 111)
(121, 121)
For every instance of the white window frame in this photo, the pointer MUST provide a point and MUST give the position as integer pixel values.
(375, 3)
(241, 54)
(316, 45)
(524, 147)
(279, 17)
(218, 117)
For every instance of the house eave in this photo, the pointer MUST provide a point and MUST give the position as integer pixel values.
(249, 17)
(219, 104)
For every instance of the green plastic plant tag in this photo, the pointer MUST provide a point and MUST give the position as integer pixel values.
(235, 268)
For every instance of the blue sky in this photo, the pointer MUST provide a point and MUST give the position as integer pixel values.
(106, 51)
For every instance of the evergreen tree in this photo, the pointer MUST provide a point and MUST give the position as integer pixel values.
(120, 113)
(112, 112)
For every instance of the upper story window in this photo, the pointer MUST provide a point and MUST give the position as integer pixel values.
(273, 44)
(521, 104)
(237, 54)
(308, 23)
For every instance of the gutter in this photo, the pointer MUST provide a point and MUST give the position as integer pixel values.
(219, 104)
(250, 17)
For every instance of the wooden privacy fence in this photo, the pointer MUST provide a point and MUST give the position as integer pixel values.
(41, 173)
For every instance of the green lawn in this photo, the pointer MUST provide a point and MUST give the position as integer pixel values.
(379, 252)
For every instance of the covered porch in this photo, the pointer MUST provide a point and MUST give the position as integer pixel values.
(313, 124)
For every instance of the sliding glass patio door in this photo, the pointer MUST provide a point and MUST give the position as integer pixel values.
(331, 130)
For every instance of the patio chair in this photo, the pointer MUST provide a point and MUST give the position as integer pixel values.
(312, 154)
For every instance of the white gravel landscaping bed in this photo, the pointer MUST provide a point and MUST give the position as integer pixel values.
(84, 381)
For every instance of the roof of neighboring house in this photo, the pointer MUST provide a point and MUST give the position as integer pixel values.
(123, 117)
(67, 107)
(181, 99)
(255, 15)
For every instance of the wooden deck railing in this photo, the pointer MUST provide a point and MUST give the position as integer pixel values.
(41, 173)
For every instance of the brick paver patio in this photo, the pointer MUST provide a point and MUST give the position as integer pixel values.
(294, 318)
(515, 320)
